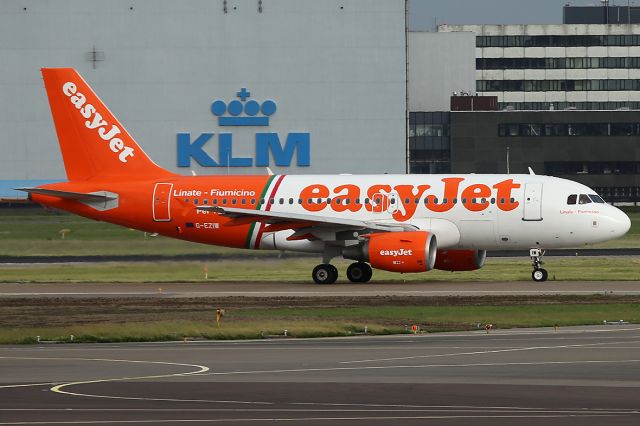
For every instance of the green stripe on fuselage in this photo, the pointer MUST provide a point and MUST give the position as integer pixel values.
(247, 243)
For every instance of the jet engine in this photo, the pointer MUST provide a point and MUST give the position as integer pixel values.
(413, 251)
(460, 260)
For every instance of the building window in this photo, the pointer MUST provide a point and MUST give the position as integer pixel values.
(556, 168)
(556, 85)
(557, 41)
(568, 129)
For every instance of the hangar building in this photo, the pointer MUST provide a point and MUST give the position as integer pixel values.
(323, 81)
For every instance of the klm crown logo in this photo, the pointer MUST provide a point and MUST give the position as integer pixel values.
(250, 109)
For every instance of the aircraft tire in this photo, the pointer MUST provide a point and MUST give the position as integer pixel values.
(324, 273)
(539, 275)
(359, 272)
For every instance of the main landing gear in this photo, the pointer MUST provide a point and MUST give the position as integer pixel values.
(326, 273)
(539, 274)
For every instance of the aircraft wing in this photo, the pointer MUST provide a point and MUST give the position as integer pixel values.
(286, 220)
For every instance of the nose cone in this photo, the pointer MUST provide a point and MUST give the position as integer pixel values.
(619, 221)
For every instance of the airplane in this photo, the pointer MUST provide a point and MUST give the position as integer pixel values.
(399, 223)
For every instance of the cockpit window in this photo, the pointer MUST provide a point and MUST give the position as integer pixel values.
(596, 198)
(571, 199)
(584, 199)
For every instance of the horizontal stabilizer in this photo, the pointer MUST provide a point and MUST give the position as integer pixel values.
(79, 196)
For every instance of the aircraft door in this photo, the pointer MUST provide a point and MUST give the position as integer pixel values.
(393, 203)
(532, 201)
(162, 202)
(379, 202)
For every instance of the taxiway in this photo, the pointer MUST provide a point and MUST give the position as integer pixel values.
(582, 375)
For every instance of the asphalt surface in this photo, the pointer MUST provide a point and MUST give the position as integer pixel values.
(304, 289)
(577, 376)
(275, 254)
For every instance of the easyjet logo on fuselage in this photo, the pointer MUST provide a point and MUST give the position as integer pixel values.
(474, 197)
(96, 122)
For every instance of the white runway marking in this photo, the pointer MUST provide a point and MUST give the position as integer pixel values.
(200, 369)
(391, 367)
(493, 351)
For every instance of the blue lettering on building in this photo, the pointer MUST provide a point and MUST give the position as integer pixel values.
(268, 145)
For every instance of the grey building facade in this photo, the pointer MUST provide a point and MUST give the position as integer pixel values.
(600, 149)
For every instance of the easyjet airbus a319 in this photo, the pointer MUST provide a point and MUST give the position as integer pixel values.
(399, 223)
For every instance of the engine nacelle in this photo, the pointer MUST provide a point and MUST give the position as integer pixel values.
(397, 251)
(460, 260)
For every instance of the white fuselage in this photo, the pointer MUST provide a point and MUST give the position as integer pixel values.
(488, 212)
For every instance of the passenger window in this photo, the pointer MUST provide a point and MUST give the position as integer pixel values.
(186, 200)
(272, 200)
(328, 200)
(300, 201)
(406, 201)
(233, 201)
(224, 201)
(347, 201)
(584, 199)
(244, 201)
(357, 200)
(493, 200)
(214, 201)
(416, 201)
(366, 201)
(253, 201)
(206, 201)
(337, 201)
(455, 201)
(571, 199)
(464, 201)
(195, 201)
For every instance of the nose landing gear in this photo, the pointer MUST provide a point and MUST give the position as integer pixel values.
(539, 274)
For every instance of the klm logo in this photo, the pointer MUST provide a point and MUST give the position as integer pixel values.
(244, 112)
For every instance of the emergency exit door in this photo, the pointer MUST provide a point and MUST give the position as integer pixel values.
(532, 201)
(162, 202)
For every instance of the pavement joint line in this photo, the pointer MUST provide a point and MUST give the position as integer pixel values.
(530, 348)
(315, 419)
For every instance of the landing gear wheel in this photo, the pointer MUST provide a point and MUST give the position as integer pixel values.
(325, 274)
(539, 275)
(359, 272)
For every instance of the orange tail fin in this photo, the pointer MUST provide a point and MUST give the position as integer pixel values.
(93, 142)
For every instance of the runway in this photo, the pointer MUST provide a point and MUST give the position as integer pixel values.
(574, 376)
(305, 289)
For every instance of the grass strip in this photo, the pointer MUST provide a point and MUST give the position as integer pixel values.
(299, 270)
(94, 320)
